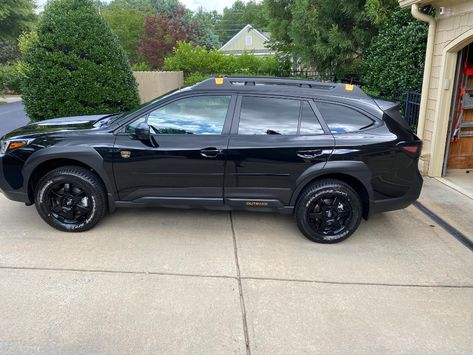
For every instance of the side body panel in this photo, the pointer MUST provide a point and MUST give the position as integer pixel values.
(263, 170)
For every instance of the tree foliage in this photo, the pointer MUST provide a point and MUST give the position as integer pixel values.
(239, 15)
(197, 63)
(16, 16)
(161, 34)
(327, 35)
(205, 29)
(126, 19)
(395, 59)
(74, 64)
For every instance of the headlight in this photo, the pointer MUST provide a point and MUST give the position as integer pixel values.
(12, 144)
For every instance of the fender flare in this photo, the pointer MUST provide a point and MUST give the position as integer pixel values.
(85, 155)
(355, 169)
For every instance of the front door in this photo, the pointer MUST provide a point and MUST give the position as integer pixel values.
(274, 141)
(186, 161)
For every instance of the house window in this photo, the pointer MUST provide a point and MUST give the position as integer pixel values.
(249, 40)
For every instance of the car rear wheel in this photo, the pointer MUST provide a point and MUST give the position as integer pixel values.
(328, 211)
(71, 199)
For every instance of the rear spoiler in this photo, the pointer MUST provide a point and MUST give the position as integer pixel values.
(386, 105)
(392, 110)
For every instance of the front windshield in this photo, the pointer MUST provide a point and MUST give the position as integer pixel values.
(124, 115)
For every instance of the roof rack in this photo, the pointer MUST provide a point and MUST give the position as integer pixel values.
(230, 82)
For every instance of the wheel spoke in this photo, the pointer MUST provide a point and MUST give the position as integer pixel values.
(56, 194)
(78, 198)
(316, 215)
(57, 208)
(335, 201)
(82, 210)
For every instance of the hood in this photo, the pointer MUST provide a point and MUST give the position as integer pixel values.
(58, 124)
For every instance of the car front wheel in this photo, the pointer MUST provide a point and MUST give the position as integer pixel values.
(71, 199)
(328, 211)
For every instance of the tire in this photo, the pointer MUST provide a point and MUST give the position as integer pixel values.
(328, 211)
(71, 199)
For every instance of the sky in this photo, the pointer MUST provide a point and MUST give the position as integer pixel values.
(190, 4)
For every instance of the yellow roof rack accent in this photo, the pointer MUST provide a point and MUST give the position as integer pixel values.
(218, 81)
(348, 87)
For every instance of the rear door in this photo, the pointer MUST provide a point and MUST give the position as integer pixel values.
(273, 141)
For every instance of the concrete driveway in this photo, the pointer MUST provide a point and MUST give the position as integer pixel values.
(199, 282)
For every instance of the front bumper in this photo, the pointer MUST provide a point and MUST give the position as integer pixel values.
(11, 193)
(393, 204)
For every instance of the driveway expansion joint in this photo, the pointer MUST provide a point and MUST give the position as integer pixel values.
(249, 278)
(240, 287)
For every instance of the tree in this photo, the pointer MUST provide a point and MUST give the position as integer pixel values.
(161, 34)
(16, 16)
(328, 35)
(74, 64)
(126, 19)
(240, 15)
(204, 34)
(395, 59)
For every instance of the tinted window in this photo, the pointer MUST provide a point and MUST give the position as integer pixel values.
(341, 119)
(266, 115)
(309, 122)
(192, 115)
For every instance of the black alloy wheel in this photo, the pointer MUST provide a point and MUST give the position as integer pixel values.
(328, 211)
(329, 214)
(71, 199)
(69, 203)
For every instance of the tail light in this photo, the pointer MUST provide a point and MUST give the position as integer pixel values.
(411, 149)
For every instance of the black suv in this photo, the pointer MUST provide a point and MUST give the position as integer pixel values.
(328, 153)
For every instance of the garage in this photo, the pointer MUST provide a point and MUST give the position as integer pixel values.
(446, 112)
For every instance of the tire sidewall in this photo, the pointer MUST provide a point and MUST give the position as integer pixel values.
(41, 202)
(334, 190)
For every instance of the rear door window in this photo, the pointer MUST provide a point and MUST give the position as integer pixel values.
(309, 122)
(268, 115)
(343, 119)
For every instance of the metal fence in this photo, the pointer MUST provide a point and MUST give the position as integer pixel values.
(409, 101)
(410, 106)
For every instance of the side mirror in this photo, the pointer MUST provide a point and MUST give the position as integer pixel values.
(142, 132)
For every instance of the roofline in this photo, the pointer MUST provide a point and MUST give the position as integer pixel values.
(284, 85)
(258, 33)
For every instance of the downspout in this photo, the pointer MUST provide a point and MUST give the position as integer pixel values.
(419, 15)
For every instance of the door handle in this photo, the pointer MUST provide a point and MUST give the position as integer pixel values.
(210, 152)
(310, 153)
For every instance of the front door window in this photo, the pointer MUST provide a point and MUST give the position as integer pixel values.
(202, 115)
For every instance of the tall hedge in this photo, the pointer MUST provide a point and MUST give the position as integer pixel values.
(394, 61)
(74, 65)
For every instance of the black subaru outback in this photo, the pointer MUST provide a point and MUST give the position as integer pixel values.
(327, 153)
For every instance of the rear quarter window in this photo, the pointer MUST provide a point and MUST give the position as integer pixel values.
(343, 119)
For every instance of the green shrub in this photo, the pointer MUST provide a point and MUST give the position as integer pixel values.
(395, 59)
(141, 67)
(195, 78)
(74, 64)
(10, 80)
(197, 62)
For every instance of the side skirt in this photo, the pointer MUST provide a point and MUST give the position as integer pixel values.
(217, 204)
